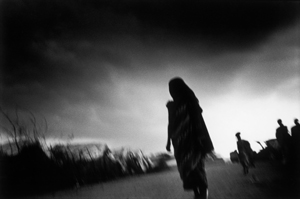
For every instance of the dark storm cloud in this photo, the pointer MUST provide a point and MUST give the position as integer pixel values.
(53, 43)
(227, 21)
(65, 73)
(233, 24)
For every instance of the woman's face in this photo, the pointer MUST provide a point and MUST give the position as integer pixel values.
(176, 88)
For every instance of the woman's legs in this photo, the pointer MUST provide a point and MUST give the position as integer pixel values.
(195, 179)
(196, 192)
(203, 185)
(201, 193)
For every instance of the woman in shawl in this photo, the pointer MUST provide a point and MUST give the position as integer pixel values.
(189, 136)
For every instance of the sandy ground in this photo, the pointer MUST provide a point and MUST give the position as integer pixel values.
(226, 181)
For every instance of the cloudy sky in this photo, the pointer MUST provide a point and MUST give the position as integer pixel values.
(99, 70)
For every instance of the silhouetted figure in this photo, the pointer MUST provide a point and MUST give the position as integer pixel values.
(189, 136)
(245, 153)
(284, 141)
(295, 131)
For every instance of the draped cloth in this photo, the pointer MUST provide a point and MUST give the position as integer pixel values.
(190, 138)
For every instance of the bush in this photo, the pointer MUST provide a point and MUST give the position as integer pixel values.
(30, 171)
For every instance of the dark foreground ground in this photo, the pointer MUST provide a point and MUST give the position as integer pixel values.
(226, 181)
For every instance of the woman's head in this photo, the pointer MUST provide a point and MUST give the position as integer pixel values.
(176, 87)
(179, 90)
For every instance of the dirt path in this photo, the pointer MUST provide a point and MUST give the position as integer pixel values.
(226, 181)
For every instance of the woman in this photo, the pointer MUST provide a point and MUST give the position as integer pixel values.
(188, 134)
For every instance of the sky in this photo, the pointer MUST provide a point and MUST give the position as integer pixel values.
(99, 70)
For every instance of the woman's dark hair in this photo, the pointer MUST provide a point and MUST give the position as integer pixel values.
(180, 91)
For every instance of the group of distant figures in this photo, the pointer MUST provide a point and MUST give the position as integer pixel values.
(289, 146)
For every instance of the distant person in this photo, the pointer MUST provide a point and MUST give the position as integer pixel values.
(245, 153)
(189, 136)
(284, 141)
(295, 131)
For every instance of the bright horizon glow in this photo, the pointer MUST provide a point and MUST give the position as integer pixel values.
(255, 119)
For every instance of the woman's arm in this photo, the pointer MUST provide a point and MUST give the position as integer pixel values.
(169, 105)
(168, 147)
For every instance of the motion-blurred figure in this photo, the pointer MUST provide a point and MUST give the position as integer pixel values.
(189, 136)
(284, 140)
(245, 153)
(295, 131)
